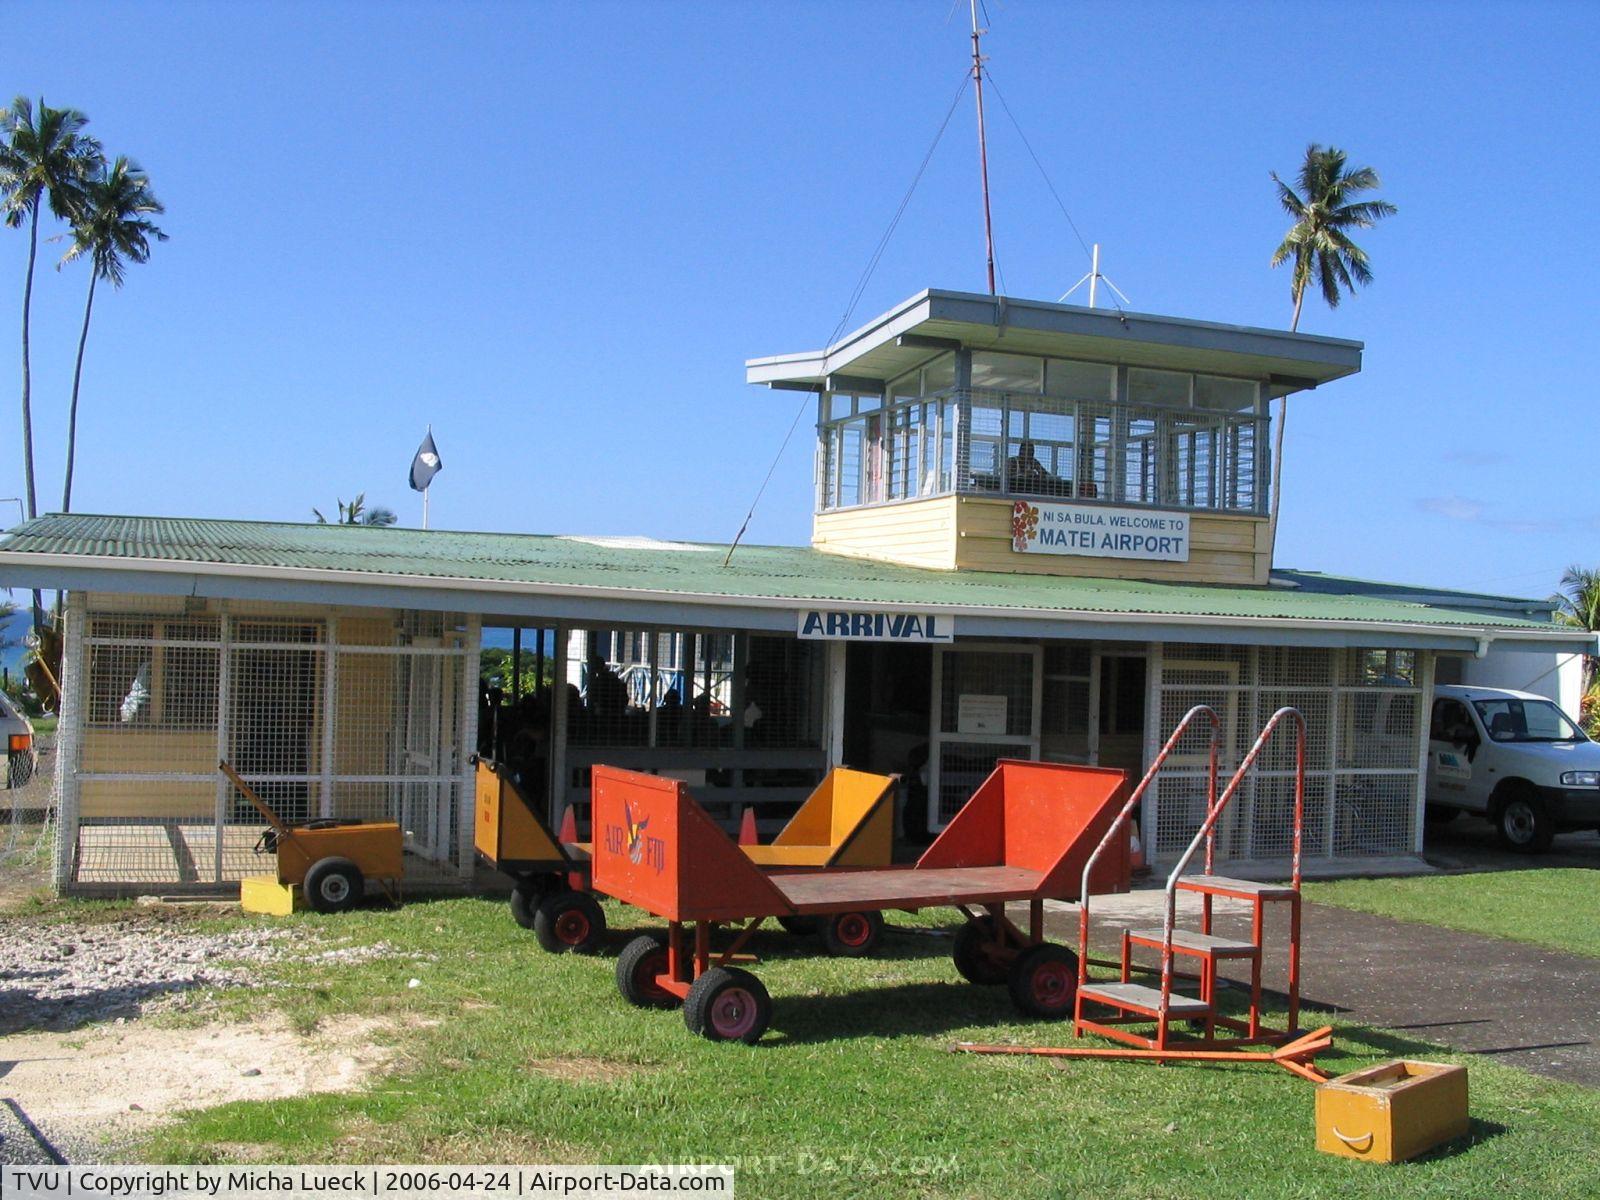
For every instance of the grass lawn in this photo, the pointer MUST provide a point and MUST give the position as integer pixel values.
(510, 1055)
(1556, 908)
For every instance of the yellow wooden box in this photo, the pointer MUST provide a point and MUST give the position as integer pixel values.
(1393, 1111)
(264, 894)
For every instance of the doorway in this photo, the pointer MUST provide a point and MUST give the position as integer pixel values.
(986, 706)
(887, 696)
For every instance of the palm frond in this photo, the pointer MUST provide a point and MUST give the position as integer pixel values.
(1322, 210)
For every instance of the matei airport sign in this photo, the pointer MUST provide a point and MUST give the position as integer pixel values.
(1099, 532)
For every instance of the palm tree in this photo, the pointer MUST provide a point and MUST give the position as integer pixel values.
(114, 229)
(44, 155)
(1578, 605)
(357, 513)
(1324, 211)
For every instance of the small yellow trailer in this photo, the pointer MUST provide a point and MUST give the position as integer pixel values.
(329, 860)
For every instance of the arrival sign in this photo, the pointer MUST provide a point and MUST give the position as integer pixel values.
(1096, 531)
(823, 624)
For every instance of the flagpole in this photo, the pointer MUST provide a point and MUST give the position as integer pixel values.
(425, 505)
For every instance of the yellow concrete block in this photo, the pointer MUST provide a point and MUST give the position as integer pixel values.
(264, 894)
(1393, 1111)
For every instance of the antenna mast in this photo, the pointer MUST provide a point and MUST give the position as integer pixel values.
(983, 145)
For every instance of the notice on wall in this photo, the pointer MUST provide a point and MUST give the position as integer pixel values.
(1097, 531)
(979, 714)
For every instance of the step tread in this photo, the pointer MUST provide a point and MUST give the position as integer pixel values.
(1190, 939)
(1138, 996)
(1242, 887)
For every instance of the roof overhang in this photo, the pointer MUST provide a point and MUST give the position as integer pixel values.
(560, 601)
(915, 330)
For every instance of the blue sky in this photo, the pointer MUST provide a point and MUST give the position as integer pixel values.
(556, 232)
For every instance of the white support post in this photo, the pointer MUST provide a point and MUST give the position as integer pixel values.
(69, 739)
(224, 690)
(330, 695)
(558, 729)
(1336, 700)
(1425, 663)
(1154, 736)
(466, 814)
(935, 724)
(836, 664)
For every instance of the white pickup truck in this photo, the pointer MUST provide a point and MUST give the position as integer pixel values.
(1514, 758)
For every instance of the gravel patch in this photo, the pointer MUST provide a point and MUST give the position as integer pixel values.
(63, 976)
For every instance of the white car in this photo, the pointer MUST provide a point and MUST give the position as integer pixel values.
(16, 734)
(1514, 758)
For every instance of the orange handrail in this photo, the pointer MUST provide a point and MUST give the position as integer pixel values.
(1127, 811)
(1205, 831)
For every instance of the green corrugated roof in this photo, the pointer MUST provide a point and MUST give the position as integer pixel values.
(773, 572)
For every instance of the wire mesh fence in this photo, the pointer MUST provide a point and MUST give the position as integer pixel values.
(325, 713)
(1363, 750)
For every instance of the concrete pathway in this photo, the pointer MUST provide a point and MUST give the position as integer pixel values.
(1519, 1004)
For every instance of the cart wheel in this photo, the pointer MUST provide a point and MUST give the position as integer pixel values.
(638, 965)
(569, 921)
(800, 926)
(727, 1004)
(852, 935)
(1044, 981)
(527, 894)
(974, 965)
(334, 885)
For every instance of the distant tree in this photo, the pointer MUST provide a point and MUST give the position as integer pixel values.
(1318, 244)
(357, 513)
(496, 669)
(113, 228)
(1578, 605)
(44, 157)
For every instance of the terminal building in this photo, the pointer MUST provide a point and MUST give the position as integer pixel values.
(1040, 531)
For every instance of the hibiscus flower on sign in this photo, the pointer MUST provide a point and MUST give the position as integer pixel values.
(1024, 524)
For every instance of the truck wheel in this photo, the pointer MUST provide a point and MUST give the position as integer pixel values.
(526, 896)
(334, 885)
(852, 935)
(638, 965)
(728, 1004)
(1044, 981)
(968, 953)
(1523, 824)
(569, 922)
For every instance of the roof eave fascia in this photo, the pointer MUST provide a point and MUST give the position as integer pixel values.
(814, 366)
(30, 564)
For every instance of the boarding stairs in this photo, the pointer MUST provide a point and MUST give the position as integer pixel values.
(1122, 1003)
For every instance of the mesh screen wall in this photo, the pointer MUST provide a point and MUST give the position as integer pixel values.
(325, 712)
(1364, 750)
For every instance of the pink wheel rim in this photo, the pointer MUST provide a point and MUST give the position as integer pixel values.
(733, 1013)
(572, 927)
(1052, 985)
(853, 929)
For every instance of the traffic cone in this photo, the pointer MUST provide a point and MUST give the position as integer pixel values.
(569, 824)
(1136, 852)
(747, 828)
